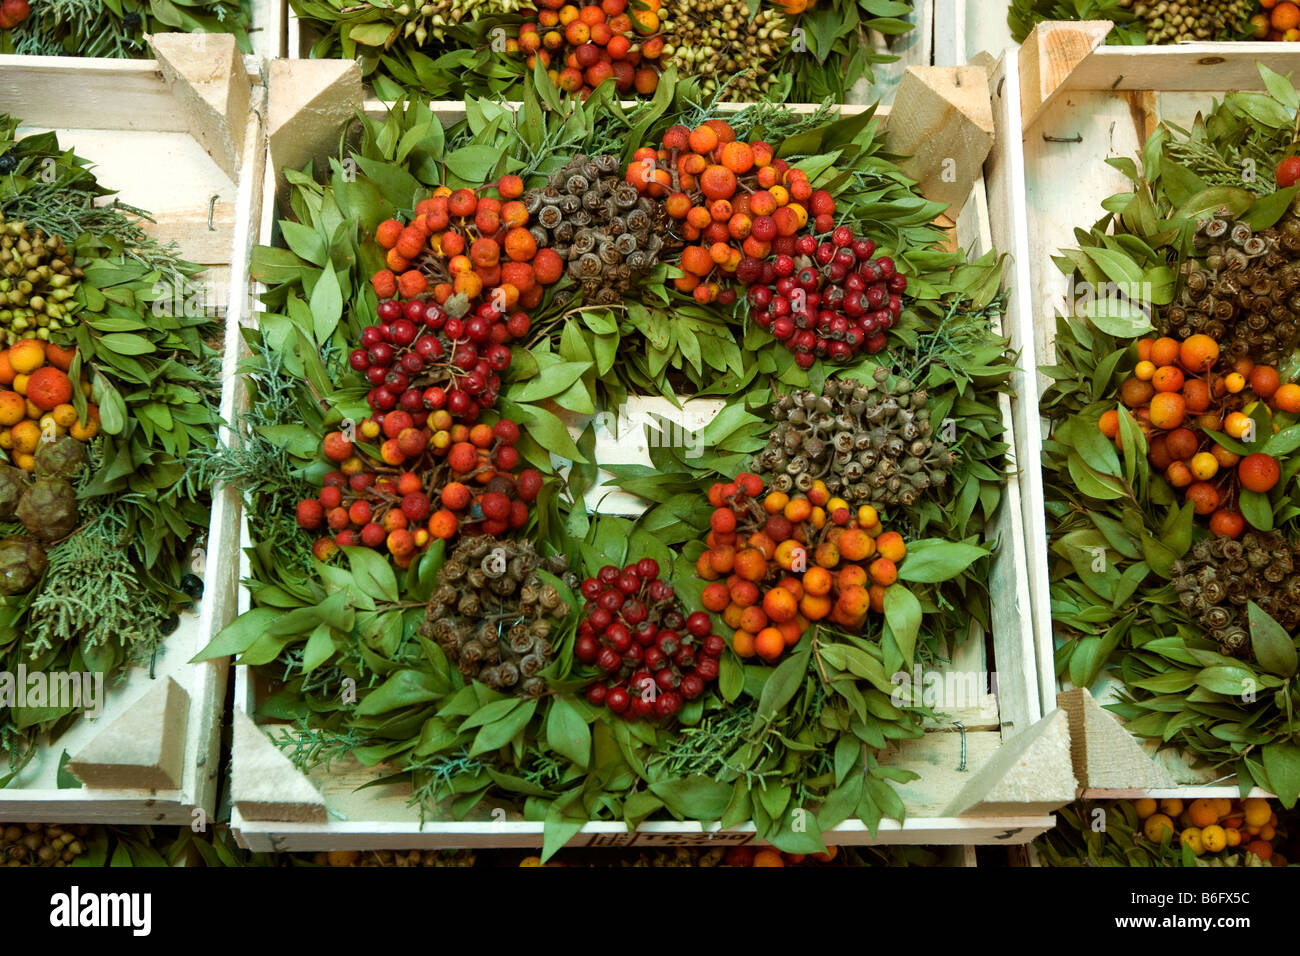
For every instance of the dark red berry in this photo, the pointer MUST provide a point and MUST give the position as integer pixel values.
(698, 624)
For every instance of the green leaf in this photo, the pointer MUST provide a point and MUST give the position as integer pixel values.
(499, 733)
(402, 689)
(1229, 679)
(371, 34)
(694, 797)
(731, 677)
(902, 618)
(932, 559)
(784, 682)
(567, 733)
(1282, 765)
(123, 343)
(372, 573)
(552, 380)
(1117, 317)
(1274, 649)
(65, 779)
(1279, 87)
(1207, 202)
(237, 636)
(857, 662)
(474, 164)
(1269, 209)
(326, 305)
(1257, 509)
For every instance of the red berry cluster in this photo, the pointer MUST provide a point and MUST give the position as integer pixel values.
(654, 657)
(830, 300)
(421, 358)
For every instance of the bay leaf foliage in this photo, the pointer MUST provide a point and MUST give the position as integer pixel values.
(150, 345)
(794, 747)
(468, 58)
(1116, 528)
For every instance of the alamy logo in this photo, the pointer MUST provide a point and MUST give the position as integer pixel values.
(74, 909)
(80, 690)
(941, 690)
(661, 431)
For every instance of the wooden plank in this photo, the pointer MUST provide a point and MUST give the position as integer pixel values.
(943, 126)
(205, 74)
(1004, 177)
(270, 23)
(1049, 55)
(1194, 67)
(306, 837)
(914, 48)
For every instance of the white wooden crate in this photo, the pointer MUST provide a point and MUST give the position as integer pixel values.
(965, 28)
(915, 48)
(144, 140)
(1064, 103)
(1036, 748)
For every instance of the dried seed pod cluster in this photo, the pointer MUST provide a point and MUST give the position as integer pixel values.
(1220, 575)
(721, 40)
(46, 507)
(41, 844)
(870, 442)
(38, 277)
(607, 234)
(1243, 290)
(493, 614)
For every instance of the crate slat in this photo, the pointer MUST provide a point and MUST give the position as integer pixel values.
(111, 112)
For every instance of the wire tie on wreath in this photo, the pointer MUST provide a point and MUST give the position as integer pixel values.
(212, 205)
(961, 768)
(1076, 138)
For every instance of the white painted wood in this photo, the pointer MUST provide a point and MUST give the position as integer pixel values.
(965, 28)
(915, 48)
(1004, 178)
(114, 142)
(1051, 178)
(270, 25)
(379, 817)
(306, 837)
(1188, 67)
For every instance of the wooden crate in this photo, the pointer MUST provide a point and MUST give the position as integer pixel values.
(911, 49)
(1016, 767)
(965, 29)
(1064, 102)
(153, 132)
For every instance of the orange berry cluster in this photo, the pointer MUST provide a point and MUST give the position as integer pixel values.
(778, 563)
(1280, 22)
(595, 43)
(1179, 393)
(435, 481)
(736, 201)
(36, 400)
(462, 243)
(1213, 824)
